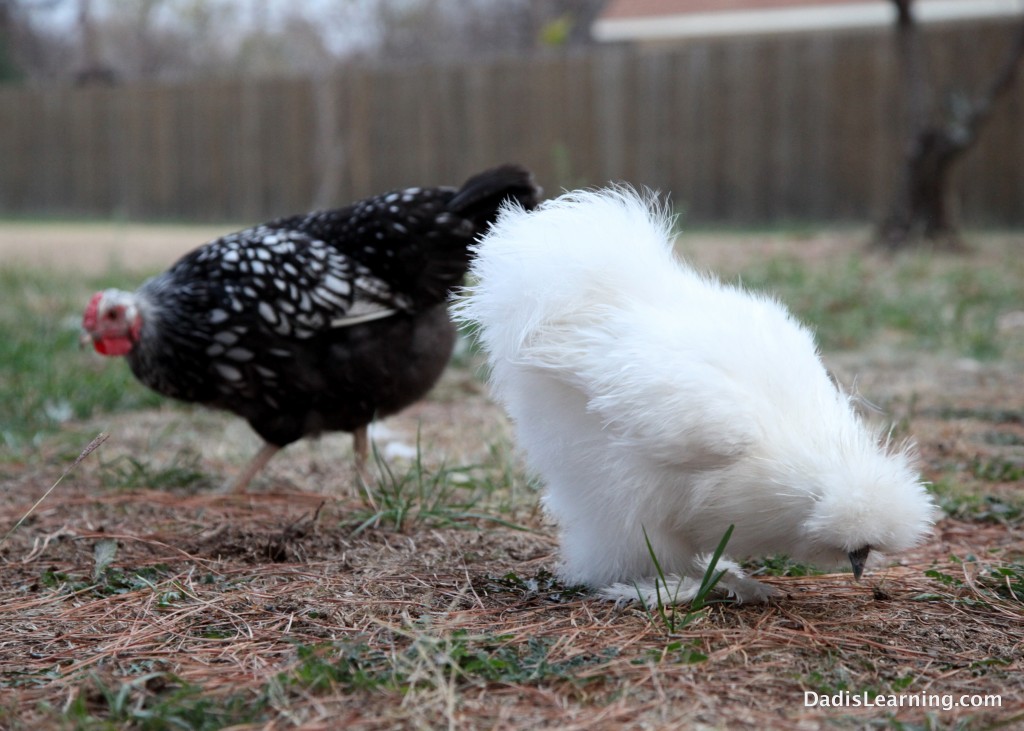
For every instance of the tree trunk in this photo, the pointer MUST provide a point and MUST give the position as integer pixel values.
(922, 212)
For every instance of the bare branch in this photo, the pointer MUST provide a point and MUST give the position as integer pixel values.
(921, 206)
(1001, 84)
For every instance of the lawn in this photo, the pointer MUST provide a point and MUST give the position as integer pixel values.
(136, 594)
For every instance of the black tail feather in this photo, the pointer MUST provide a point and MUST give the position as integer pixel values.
(481, 196)
(476, 202)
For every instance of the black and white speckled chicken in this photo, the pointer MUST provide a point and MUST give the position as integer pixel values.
(311, 323)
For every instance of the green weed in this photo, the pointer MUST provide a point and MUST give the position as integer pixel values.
(1003, 439)
(473, 659)
(670, 619)
(111, 581)
(127, 472)
(959, 501)
(159, 701)
(838, 674)
(981, 413)
(677, 652)
(998, 469)
(1005, 582)
(542, 585)
(782, 566)
(498, 660)
(441, 497)
(348, 666)
(999, 583)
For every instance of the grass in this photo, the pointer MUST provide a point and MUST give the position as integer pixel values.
(422, 496)
(998, 582)
(781, 566)
(920, 301)
(182, 469)
(933, 303)
(46, 381)
(137, 596)
(158, 701)
(665, 611)
(161, 700)
(963, 498)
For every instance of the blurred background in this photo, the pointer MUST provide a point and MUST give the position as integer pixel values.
(746, 112)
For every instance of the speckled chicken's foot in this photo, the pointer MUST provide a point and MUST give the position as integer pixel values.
(240, 483)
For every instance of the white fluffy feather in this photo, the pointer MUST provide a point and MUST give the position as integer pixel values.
(651, 397)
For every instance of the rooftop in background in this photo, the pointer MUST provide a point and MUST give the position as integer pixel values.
(669, 20)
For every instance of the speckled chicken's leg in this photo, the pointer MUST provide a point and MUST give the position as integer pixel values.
(361, 447)
(255, 465)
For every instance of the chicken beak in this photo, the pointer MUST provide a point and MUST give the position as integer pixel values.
(84, 340)
(857, 560)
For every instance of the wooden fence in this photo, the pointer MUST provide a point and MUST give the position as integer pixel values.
(740, 131)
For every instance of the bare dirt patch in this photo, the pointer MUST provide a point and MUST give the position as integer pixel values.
(92, 248)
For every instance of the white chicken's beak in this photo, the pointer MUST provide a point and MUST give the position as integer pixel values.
(857, 560)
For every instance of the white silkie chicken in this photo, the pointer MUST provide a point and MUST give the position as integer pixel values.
(653, 399)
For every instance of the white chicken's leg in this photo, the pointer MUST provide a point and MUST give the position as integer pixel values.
(256, 464)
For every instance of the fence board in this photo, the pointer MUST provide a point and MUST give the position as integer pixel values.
(744, 131)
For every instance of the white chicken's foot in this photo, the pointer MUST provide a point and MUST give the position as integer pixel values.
(676, 590)
(257, 463)
(736, 583)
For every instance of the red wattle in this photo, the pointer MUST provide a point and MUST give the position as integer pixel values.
(113, 345)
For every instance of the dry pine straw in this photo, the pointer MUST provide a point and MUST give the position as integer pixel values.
(244, 580)
(238, 584)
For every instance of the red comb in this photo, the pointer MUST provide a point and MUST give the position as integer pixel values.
(90, 316)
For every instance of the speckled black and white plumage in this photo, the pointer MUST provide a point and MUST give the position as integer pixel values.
(315, 322)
